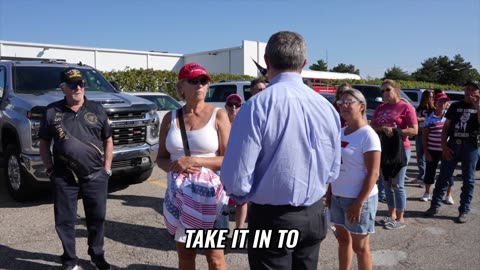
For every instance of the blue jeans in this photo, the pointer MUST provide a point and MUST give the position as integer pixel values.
(397, 197)
(468, 154)
(420, 156)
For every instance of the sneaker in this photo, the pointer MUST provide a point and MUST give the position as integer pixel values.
(449, 200)
(462, 218)
(66, 266)
(394, 225)
(384, 221)
(426, 197)
(100, 264)
(382, 199)
(432, 211)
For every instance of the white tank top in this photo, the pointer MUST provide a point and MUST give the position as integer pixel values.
(202, 142)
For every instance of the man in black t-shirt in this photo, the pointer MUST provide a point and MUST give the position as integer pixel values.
(460, 141)
(82, 160)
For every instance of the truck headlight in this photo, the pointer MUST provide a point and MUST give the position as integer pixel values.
(34, 129)
(153, 130)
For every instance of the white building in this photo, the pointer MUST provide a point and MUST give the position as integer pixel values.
(236, 60)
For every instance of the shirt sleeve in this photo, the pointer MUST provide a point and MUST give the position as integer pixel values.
(371, 142)
(107, 131)
(411, 115)
(243, 149)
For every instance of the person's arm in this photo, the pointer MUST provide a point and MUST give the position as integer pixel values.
(243, 149)
(412, 122)
(163, 157)
(410, 130)
(447, 151)
(108, 157)
(372, 164)
(46, 155)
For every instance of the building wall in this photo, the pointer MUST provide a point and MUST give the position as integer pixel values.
(236, 60)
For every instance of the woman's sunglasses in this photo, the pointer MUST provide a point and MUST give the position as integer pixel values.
(73, 86)
(386, 90)
(202, 81)
(231, 104)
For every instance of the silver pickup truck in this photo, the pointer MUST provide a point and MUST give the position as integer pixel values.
(27, 87)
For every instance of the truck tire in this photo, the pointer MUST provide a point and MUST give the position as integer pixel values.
(142, 176)
(19, 182)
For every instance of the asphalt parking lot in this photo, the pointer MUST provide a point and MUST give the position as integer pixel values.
(136, 237)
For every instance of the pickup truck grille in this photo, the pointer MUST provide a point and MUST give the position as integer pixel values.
(128, 127)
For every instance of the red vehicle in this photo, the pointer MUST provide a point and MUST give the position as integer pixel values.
(322, 81)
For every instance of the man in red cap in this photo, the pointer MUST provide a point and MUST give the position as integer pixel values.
(460, 141)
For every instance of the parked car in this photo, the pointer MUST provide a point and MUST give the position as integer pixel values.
(164, 102)
(330, 97)
(415, 95)
(455, 95)
(218, 92)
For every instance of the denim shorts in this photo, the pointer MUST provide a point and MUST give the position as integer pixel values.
(338, 214)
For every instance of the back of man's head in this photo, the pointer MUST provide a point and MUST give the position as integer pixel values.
(286, 51)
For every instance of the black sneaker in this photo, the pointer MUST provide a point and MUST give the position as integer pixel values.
(67, 266)
(432, 211)
(462, 218)
(101, 264)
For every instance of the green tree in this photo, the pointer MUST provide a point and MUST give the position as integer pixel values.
(443, 70)
(343, 68)
(396, 73)
(319, 66)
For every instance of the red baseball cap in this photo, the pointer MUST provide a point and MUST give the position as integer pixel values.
(234, 97)
(192, 71)
(441, 96)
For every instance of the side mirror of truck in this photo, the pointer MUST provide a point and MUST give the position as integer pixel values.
(116, 85)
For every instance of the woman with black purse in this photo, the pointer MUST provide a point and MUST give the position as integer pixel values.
(192, 144)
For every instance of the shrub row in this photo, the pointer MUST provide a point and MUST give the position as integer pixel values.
(164, 81)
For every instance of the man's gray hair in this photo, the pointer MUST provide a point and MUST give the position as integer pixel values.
(286, 51)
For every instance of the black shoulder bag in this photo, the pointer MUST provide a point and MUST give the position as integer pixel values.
(186, 148)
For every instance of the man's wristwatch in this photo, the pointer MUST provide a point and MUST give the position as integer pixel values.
(109, 172)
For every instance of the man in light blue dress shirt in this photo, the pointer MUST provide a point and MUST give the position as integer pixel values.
(284, 149)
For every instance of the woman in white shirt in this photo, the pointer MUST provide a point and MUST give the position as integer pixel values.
(353, 197)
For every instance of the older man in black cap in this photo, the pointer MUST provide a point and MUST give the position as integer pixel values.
(460, 142)
(82, 159)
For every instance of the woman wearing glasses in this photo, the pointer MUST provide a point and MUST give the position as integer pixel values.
(396, 117)
(233, 105)
(353, 197)
(207, 131)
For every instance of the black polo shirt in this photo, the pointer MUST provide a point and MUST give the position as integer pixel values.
(78, 136)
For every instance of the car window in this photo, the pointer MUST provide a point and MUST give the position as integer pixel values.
(456, 96)
(412, 95)
(247, 94)
(164, 103)
(370, 93)
(219, 93)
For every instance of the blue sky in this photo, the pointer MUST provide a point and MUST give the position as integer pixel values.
(372, 35)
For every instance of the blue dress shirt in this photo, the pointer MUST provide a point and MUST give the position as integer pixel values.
(284, 147)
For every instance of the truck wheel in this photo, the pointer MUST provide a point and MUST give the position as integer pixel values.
(139, 178)
(19, 182)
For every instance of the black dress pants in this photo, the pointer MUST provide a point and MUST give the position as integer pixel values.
(308, 220)
(94, 194)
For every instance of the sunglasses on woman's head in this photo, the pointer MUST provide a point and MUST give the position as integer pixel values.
(231, 104)
(202, 81)
(73, 86)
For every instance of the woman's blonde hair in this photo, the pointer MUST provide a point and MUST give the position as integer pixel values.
(342, 87)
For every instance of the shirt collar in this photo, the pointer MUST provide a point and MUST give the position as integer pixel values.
(286, 76)
(85, 101)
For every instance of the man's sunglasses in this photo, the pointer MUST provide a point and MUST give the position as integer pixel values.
(202, 81)
(73, 86)
(231, 104)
